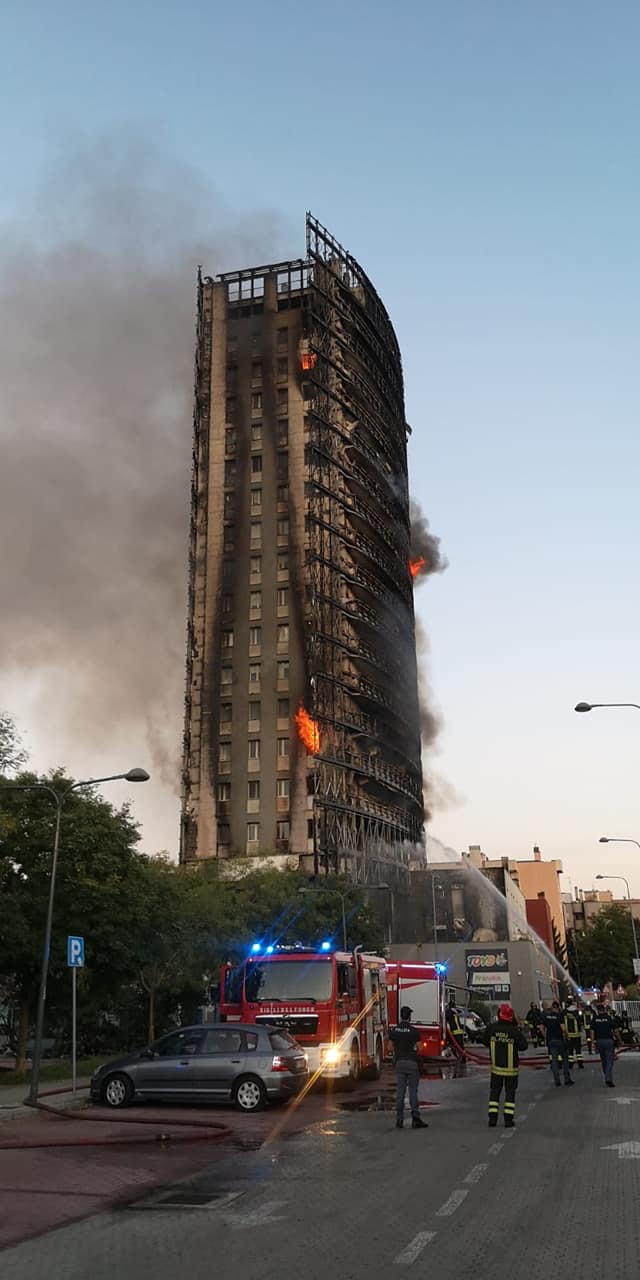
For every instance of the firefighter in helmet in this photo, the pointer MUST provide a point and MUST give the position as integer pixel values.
(573, 1025)
(587, 1022)
(455, 1027)
(504, 1040)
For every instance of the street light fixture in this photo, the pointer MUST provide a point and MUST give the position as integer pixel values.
(589, 706)
(604, 840)
(59, 797)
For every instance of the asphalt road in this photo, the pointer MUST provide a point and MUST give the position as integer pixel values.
(353, 1198)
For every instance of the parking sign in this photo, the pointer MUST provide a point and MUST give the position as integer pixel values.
(75, 952)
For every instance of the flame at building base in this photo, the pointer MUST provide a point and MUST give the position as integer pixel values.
(308, 731)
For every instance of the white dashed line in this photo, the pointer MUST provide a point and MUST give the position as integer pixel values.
(414, 1248)
(450, 1205)
(509, 1134)
(475, 1174)
(539, 1097)
(495, 1149)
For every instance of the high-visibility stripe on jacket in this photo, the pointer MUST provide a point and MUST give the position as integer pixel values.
(572, 1023)
(503, 1040)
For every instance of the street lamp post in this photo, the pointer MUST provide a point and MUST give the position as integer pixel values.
(59, 797)
(589, 706)
(605, 840)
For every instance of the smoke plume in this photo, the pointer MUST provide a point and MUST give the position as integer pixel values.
(97, 299)
(424, 546)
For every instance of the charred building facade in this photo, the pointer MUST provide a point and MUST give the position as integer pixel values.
(302, 732)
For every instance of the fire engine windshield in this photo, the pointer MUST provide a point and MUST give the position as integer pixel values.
(284, 980)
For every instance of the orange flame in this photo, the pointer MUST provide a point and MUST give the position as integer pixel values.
(308, 360)
(308, 731)
(416, 565)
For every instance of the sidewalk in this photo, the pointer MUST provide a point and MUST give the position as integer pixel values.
(12, 1096)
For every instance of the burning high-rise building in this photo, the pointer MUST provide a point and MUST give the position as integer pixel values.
(302, 733)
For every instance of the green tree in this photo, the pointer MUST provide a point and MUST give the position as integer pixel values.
(605, 949)
(12, 754)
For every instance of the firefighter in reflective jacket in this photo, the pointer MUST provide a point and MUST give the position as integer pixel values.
(573, 1025)
(587, 1022)
(504, 1039)
(455, 1027)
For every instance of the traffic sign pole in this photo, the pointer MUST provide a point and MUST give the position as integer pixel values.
(74, 975)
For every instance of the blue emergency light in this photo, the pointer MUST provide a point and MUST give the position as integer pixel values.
(325, 946)
(441, 968)
(270, 950)
(256, 948)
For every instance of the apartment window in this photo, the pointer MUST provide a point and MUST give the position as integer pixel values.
(282, 493)
(232, 346)
(256, 499)
(256, 344)
(256, 402)
(229, 504)
(224, 833)
(230, 440)
(256, 533)
(283, 708)
(231, 409)
(226, 675)
(229, 473)
(255, 637)
(255, 603)
(282, 634)
(224, 791)
(256, 464)
(254, 673)
(256, 373)
(227, 604)
(282, 829)
(253, 832)
(282, 528)
(283, 466)
(282, 433)
(256, 434)
(283, 748)
(282, 400)
(283, 671)
(283, 562)
(254, 715)
(283, 597)
(309, 828)
(282, 368)
(254, 749)
(229, 539)
(227, 639)
(255, 566)
(282, 788)
(253, 790)
(282, 339)
(226, 711)
(225, 753)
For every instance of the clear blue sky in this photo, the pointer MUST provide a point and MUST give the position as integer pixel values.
(482, 161)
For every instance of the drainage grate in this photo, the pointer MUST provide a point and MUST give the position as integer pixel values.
(189, 1198)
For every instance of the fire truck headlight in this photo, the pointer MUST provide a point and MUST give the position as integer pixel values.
(332, 1055)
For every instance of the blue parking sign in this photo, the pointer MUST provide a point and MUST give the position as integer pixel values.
(75, 953)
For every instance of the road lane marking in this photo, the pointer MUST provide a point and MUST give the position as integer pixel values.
(414, 1248)
(626, 1150)
(495, 1149)
(623, 1102)
(539, 1097)
(260, 1217)
(475, 1174)
(508, 1134)
(450, 1205)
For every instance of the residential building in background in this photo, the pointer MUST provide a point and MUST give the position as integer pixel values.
(302, 734)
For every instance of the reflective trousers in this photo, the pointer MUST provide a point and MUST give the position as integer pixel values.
(407, 1076)
(495, 1089)
(559, 1055)
(575, 1050)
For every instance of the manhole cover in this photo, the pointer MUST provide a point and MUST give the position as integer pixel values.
(189, 1198)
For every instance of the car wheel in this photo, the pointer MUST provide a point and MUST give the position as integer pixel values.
(375, 1071)
(250, 1094)
(117, 1091)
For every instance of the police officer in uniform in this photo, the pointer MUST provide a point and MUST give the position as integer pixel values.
(573, 1024)
(553, 1023)
(504, 1039)
(405, 1039)
(606, 1036)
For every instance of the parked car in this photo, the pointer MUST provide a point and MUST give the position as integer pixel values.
(248, 1065)
(473, 1025)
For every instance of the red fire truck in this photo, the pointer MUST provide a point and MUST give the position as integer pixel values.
(422, 988)
(333, 1002)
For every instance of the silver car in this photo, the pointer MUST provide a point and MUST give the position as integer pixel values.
(220, 1062)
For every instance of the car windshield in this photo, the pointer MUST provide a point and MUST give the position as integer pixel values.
(285, 980)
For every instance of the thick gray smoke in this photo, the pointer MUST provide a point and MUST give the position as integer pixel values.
(97, 302)
(424, 545)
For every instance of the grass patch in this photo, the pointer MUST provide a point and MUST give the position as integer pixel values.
(59, 1070)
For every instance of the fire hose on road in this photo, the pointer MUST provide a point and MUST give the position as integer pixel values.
(534, 1062)
(206, 1130)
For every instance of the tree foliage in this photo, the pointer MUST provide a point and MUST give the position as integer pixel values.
(12, 753)
(604, 951)
(155, 934)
